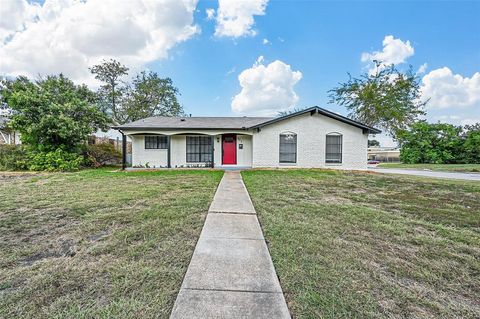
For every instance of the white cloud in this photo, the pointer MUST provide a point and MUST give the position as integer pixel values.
(210, 13)
(384, 139)
(69, 36)
(266, 89)
(395, 51)
(15, 15)
(448, 90)
(235, 18)
(231, 71)
(470, 121)
(447, 117)
(422, 68)
(265, 41)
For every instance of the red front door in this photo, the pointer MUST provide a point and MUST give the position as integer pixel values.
(229, 149)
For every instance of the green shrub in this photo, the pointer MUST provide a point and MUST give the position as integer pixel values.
(13, 158)
(471, 146)
(102, 154)
(435, 143)
(58, 160)
(440, 143)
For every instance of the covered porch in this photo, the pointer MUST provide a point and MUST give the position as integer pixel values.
(190, 149)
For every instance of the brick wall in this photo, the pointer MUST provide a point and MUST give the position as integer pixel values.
(311, 138)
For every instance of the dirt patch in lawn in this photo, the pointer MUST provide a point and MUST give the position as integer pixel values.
(352, 244)
(97, 243)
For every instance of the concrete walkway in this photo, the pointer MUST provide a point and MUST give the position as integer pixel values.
(427, 173)
(231, 274)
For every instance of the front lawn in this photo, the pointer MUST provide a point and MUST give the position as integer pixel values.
(360, 245)
(96, 243)
(435, 167)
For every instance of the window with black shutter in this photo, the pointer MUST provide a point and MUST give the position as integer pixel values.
(288, 148)
(199, 149)
(333, 152)
(156, 142)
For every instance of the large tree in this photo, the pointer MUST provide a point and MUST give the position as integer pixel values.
(387, 98)
(146, 95)
(110, 73)
(52, 113)
(150, 95)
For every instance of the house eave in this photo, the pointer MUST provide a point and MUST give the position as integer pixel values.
(132, 128)
(318, 110)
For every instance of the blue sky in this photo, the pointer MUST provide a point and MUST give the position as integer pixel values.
(311, 45)
(324, 40)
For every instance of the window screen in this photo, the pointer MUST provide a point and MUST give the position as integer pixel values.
(288, 148)
(199, 149)
(156, 142)
(334, 149)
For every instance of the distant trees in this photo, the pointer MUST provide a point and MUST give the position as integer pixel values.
(373, 143)
(146, 95)
(150, 95)
(110, 73)
(288, 112)
(471, 144)
(388, 98)
(440, 143)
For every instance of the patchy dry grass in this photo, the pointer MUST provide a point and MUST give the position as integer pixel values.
(435, 167)
(98, 243)
(365, 245)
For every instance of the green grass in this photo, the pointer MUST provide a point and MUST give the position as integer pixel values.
(435, 167)
(359, 245)
(97, 243)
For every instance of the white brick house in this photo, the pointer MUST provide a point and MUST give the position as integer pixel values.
(7, 135)
(313, 137)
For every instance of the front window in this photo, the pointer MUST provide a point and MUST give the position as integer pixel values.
(199, 149)
(288, 148)
(156, 142)
(334, 148)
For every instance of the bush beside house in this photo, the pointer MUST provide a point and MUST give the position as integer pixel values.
(54, 117)
(101, 154)
(13, 157)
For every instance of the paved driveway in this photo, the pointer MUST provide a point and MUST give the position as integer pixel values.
(427, 173)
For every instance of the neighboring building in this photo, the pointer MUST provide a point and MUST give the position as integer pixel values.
(384, 154)
(7, 135)
(313, 137)
(113, 137)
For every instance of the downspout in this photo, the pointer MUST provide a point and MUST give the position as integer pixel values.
(213, 151)
(124, 150)
(169, 153)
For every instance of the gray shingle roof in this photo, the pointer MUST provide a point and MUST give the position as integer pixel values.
(162, 122)
(316, 109)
